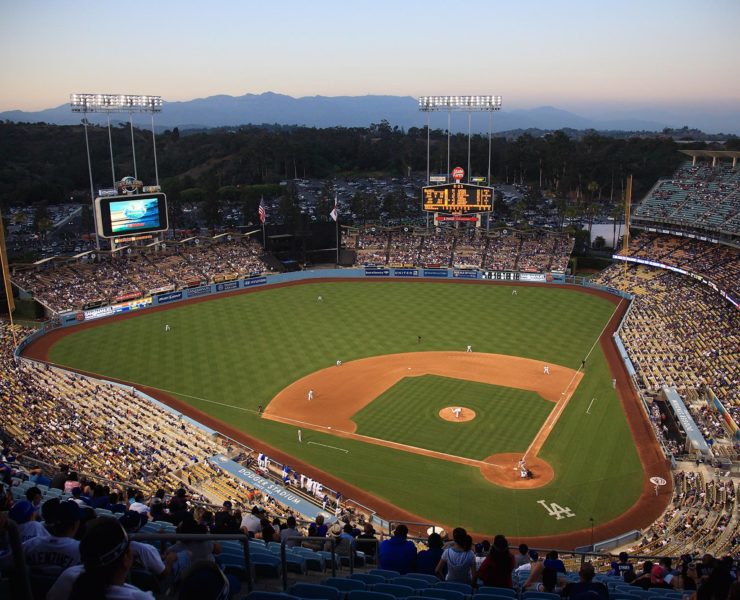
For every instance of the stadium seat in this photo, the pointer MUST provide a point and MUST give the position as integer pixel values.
(430, 579)
(412, 582)
(540, 596)
(344, 584)
(368, 579)
(398, 591)
(144, 580)
(489, 596)
(436, 592)
(463, 588)
(311, 590)
(266, 565)
(262, 595)
(498, 591)
(387, 573)
(367, 595)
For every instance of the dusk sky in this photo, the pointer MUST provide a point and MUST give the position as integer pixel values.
(583, 55)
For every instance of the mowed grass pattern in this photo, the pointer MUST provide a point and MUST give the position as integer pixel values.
(507, 419)
(230, 354)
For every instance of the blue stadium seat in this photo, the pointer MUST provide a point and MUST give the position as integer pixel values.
(436, 592)
(489, 596)
(266, 565)
(387, 573)
(398, 591)
(369, 580)
(367, 595)
(311, 590)
(463, 588)
(344, 584)
(498, 591)
(430, 579)
(540, 596)
(412, 582)
(261, 595)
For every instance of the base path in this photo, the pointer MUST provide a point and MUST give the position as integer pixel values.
(339, 392)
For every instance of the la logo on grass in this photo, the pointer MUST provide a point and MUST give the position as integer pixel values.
(557, 511)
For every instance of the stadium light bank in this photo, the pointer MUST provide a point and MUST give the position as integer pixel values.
(111, 104)
(469, 104)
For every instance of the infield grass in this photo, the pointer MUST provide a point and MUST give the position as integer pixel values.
(239, 351)
(507, 419)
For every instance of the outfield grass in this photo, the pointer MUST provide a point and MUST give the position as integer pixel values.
(239, 351)
(507, 419)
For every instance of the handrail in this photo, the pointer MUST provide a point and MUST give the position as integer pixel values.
(293, 538)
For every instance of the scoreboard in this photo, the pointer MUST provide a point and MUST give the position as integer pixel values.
(457, 198)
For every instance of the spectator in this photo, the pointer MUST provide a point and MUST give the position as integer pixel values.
(534, 557)
(585, 588)
(621, 567)
(458, 558)
(290, 531)
(106, 560)
(552, 561)
(368, 547)
(251, 524)
(57, 482)
(522, 557)
(497, 567)
(71, 483)
(145, 556)
(398, 553)
(25, 517)
(427, 560)
(225, 521)
(51, 555)
(321, 527)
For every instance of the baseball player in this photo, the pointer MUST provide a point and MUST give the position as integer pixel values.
(546, 369)
(310, 395)
(457, 412)
(300, 437)
(469, 348)
(339, 363)
(167, 328)
(514, 292)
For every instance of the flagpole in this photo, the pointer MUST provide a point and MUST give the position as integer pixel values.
(264, 243)
(5, 270)
(336, 223)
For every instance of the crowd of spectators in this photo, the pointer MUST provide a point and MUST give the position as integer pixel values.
(500, 250)
(680, 333)
(698, 195)
(73, 284)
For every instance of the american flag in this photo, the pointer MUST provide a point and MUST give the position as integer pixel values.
(334, 214)
(262, 211)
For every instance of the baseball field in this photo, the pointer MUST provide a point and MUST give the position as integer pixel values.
(382, 426)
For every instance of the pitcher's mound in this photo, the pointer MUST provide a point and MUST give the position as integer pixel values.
(502, 469)
(449, 413)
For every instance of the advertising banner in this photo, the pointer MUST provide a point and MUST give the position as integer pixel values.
(465, 274)
(377, 272)
(435, 273)
(252, 281)
(169, 297)
(229, 285)
(532, 277)
(406, 272)
(202, 290)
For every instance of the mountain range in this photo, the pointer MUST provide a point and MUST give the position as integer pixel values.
(338, 111)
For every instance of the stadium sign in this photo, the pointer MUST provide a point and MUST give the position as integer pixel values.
(406, 272)
(229, 285)
(464, 274)
(435, 273)
(199, 291)
(255, 281)
(171, 297)
(377, 272)
(106, 311)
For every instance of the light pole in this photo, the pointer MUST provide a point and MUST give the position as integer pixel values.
(592, 533)
(469, 104)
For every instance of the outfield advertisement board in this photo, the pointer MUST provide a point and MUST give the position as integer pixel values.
(539, 277)
(435, 273)
(201, 290)
(465, 274)
(170, 297)
(406, 272)
(229, 285)
(377, 272)
(114, 309)
(252, 281)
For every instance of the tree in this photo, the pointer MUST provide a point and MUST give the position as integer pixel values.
(599, 243)
(42, 223)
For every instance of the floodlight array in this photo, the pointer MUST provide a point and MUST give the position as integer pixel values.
(111, 103)
(461, 103)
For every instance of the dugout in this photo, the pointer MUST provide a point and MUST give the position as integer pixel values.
(678, 416)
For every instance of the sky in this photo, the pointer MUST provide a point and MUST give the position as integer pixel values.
(597, 57)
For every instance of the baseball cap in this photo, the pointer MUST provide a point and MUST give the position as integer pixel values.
(533, 555)
(227, 504)
(21, 511)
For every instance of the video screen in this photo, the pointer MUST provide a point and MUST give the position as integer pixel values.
(130, 216)
(127, 215)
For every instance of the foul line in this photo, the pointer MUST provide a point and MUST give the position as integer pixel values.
(550, 422)
(328, 446)
(588, 410)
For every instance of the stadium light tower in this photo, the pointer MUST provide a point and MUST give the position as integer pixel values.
(469, 104)
(109, 104)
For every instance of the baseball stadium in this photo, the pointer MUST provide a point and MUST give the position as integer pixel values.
(431, 379)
